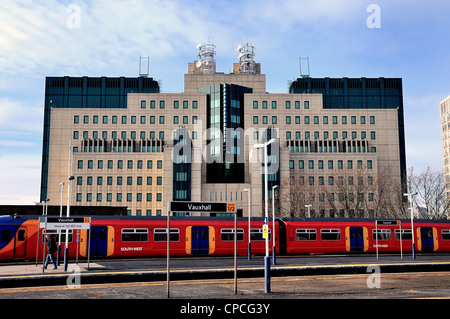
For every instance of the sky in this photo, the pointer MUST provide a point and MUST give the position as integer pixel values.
(346, 38)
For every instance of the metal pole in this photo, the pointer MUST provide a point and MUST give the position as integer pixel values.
(45, 244)
(401, 245)
(168, 254)
(39, 228)
(376, 236)
(235, 253)
(412, 229)
(274, 253)
(410, 195)
(89, 245)
(66, 248)
(249, 230)
(58, 257)
(266, 198)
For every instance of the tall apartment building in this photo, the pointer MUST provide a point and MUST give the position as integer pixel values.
(134, 146)
(445, 125)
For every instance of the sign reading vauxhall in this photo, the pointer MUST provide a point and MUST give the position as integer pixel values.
(199, 207)
(61, 223)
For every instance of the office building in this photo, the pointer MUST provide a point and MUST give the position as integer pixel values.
(137, 147)
(445, 126)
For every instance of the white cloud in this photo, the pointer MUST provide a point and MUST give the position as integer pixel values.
(19, 180)
(20, 116)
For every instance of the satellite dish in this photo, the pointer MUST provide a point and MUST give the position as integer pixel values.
(238, 47)
(198, 64)
(198, 45)
(240, 55)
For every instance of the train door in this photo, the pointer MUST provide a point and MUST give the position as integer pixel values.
(426, 235)
(200, 240)
(356, 239)
(99, 241)
(20, 243)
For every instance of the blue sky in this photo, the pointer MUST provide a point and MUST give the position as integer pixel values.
(106, 38)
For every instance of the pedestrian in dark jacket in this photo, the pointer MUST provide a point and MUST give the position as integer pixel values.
(51, 245)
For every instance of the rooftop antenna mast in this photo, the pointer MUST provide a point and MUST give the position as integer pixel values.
(206, 58)
(144, 66)
(304, 64)
(246, 58)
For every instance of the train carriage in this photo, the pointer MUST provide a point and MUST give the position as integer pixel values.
(131, 237)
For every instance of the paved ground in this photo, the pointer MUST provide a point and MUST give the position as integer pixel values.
(370, 283)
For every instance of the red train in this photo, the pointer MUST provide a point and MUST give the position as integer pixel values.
(124, 237)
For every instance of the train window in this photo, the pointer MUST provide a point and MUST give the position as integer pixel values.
(330, 234)
(6, 235)
(21, 235)
(134, 235)
(306, 234)
(445, 234)
(406, 234)
(255, 234)
(383, 234)
(228, 234)
(161, 234)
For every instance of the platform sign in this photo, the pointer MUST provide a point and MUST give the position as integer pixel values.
(61, 223)
(265, 231)
(388, 222)
(200, 207)
(231, 207)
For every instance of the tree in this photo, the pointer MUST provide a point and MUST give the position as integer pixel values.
(430, 188)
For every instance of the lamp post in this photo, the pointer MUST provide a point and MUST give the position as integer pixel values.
(309, 210)
(58, 257)
(410, 196)
(266, 258)
(274, 253)
(249, 215)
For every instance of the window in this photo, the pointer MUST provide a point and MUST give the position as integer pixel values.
(406, 234)
(76, 119)
(160, 235)
(255, 120)
(330, 234)
(134, 235)
(6, 236)
(305, 234)
(445, 234)
(383, 234)
(143, 104)
(228, 234)
(255, 234)
(306, 104)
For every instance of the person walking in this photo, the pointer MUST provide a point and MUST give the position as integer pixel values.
(51, 245)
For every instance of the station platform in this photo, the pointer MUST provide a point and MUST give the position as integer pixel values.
(201, 268)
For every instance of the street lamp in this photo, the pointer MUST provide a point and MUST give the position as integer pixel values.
(309, 210)
(410, 196)
(266, 220)
(249, 215)
(58, 256)
(274, 258)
